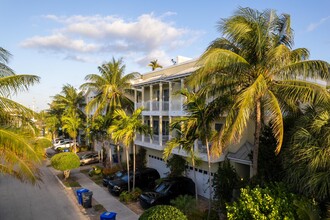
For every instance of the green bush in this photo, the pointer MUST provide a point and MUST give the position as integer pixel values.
(128, 197)
(185, 203)
(65, 162)
(263, 203)
(163, 212)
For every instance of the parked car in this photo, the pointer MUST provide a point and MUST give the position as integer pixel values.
(167, 190)
(113, 176)
(144, 179)
(89, 158)
(63, 144)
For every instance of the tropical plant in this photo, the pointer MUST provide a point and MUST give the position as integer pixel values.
(71, 124)
(52, 123)
(124, 128)
(224, 181)
(65, 162)
(163, 212)
(69, 100)
(154, 65)
(306, 161)
(185, 204)
(263, 203)
(254, 62)
(17, 155)
(177, 165)
(112, 88)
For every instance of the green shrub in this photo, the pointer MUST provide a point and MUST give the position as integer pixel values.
(128, 197)
(185, 203)
(163, 212)
(177, 165)
(65, 162)
(110, 170)
(263, 203)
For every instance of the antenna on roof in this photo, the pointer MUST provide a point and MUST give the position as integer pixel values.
(173, 61)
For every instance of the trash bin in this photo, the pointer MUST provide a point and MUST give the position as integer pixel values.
(108, 216)
(87, 199)
(79, 194)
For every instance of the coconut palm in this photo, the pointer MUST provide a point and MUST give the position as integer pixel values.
(17, 155)
(111, 86)
(255, 63)
(124, 128)
(154, 65)
(69, 100)
(307, 160)
(71, 123)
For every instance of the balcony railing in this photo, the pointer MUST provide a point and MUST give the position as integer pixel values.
(155, 139)
(176, 105)
(155, 106)
(166, 106)
(165, 138)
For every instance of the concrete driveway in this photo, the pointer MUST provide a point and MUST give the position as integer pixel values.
(46, 201)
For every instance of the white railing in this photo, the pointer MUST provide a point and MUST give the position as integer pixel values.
(165, 138)
(166, 106)
(146, 106)
(138, 137)
(155, 139)
(176, 105)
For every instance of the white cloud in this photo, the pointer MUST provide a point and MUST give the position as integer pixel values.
(313, 26)
(145, 37)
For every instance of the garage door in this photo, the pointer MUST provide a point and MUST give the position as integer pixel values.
(159, 164)
(201, 182)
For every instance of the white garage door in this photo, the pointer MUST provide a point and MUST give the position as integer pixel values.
(201, 182)
(159, 164)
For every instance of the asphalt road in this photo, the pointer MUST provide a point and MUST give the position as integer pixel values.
(48, 201)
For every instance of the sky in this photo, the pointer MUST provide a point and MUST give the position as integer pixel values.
(62, 41)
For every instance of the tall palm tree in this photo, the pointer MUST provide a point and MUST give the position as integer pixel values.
(307, 160)
(17, 155)
(71, 124)
(255, 63)
(124, 128)
(69, 100)
(111, 86)
(154, 65)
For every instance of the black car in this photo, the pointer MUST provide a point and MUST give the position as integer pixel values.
(168, 189)
(144, 179)
(113, 176)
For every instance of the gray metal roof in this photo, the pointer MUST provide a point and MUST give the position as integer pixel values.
(242, 155)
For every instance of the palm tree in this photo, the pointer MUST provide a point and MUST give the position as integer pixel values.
(307, 161)
(71, 124)
(255, 63)
(52, 123)
(154, 65)
(124, 128)
(17, 155)
(111, 86)
(69, 100)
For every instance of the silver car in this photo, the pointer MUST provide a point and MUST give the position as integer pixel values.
(89, 158)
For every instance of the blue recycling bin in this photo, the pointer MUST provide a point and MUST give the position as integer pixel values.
(108, 216)
(79, 194)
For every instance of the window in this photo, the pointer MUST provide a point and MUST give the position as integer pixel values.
(166, 127)
(155, 127)
(217, 126)
(166, 96)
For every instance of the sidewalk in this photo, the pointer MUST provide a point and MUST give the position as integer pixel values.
(102, 196)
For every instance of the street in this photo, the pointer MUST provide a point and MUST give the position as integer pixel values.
(46, 201)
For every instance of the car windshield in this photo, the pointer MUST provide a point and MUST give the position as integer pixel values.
(163, 187)
(125, 178)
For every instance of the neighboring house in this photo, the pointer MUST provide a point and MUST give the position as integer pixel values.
(157, 91)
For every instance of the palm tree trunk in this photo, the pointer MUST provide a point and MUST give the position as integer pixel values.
(118, 157)
(256, 137)
(134, 165)
(74, 146)
(66, 174)
(195, 179)
(209, 172)
(127, 165)
(110, 157)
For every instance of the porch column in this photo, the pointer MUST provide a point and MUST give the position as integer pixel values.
(170, 97)
(142, 101)
(182, 97)
(135, 99)
(151, 126)
(160, 97)
(160, 130)
(151, 98)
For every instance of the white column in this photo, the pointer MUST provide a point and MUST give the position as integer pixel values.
(170, 97)
(170, 132)
(160, 97)
(151, 126)
(150, 107)
(142, 101)
(160, 130)
(142, 138)
(135, 99)
(182, 97)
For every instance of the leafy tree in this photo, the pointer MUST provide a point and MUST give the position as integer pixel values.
(163, 212)
(177, 165)
(154, 65)
(71, 124)
(124, 128)
(307, 161)
(225, 181)
(65, 162)
(263, 203)
(19, 158)
(111, 86)
(52, 123)
(254, 62)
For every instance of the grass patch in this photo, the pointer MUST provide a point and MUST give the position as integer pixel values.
(99, 208)
(71, 184)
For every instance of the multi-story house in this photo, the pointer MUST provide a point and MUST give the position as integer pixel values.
(157, 93)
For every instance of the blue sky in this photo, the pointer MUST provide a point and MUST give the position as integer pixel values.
(64, 40)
